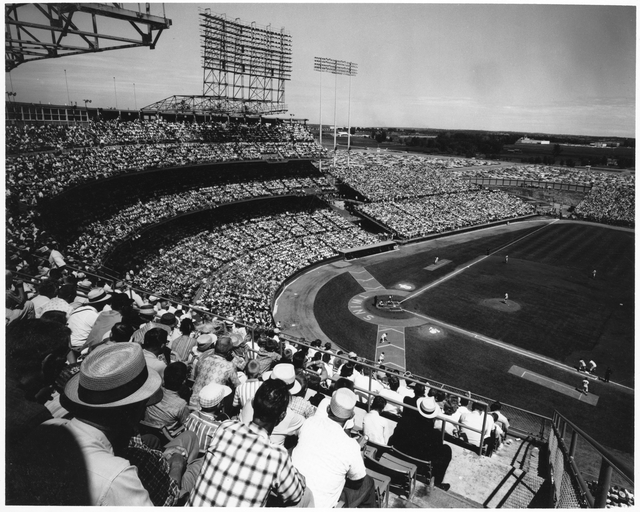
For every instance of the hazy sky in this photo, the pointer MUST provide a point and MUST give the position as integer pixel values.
(534, 68)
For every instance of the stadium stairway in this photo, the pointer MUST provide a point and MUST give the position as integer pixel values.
(510, 478)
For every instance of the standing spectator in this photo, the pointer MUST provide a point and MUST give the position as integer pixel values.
(241, 467)
(330, 460)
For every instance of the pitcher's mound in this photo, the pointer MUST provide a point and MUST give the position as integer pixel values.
(508, 306)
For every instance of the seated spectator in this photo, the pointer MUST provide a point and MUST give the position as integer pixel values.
(299, 404)
(46, 292)
(108, 397)
(375, 427)
(330, 460)
(246, 391)
(81, 320)
(183, 345)
(241, 467)
(120, 333)
(167, 322)
(290, 425)
(154, 341)
(205, 421)
(268, 355)
(120, 309)
(502, 419)
(216, 367)
(392, 394)
(451, 411)
(166, 419)
(476, 419)
(417, 436)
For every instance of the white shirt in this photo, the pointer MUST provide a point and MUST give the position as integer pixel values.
(80, 322)
(112, 480)
(325, 455)
(376, 427)
(393, 395)
(474, 419)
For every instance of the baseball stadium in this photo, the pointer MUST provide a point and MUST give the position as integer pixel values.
(222, 241)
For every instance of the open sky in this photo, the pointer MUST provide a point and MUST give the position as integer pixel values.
(513, 67)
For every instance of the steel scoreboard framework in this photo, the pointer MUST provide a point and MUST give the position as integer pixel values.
(245, 65)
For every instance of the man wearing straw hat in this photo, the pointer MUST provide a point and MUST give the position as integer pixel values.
(330, 460)
(108, 398)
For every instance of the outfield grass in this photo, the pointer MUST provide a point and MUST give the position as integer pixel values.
(564, 315)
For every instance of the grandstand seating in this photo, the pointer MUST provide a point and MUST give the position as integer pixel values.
(240, 237)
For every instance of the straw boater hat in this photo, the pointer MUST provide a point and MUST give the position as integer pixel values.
(212, 394)
(98, 295)
(113, 376)
(427, 406)
(287, 374)
(146, 310)
(204, 342)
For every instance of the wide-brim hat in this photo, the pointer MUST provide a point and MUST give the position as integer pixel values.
(113, 376)
(97, 295)
(287, 374)
(236, 339)
(427, 406)
(146, 310)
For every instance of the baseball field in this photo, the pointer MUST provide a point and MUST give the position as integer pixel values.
(557, 313)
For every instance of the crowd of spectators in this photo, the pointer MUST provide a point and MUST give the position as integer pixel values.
(239, 265)
(28, 138)
(99, 232)
(612, 202)
(119, 399)
(413, 218)
(392, 176)
(545, 174)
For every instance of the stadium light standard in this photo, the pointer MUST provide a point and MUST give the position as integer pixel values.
(66, 82)
(115, 91)
(336, 67)
(11, 94)
(135, 100)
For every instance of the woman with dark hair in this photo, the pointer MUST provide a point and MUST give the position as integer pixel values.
(183, 344)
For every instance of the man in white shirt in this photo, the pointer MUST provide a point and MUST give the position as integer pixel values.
(475, 419)
(375, 427)
(330, 460)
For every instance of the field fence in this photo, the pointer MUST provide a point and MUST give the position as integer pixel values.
(507, 182)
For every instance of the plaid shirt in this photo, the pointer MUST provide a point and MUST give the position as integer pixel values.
(153, 471)
(241, 468)
(302, 406)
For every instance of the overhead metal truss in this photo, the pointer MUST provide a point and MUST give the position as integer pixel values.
(208, 105)
(244, 63)
(44, 31)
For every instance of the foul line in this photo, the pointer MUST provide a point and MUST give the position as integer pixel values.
(506, 346)
(478, 260)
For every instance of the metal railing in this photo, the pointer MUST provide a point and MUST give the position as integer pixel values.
(570, 488)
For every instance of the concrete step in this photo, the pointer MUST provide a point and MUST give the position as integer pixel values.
(508, 479)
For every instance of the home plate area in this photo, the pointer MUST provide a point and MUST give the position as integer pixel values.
(437, 264)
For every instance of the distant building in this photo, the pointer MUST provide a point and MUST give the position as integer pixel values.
(527, 140)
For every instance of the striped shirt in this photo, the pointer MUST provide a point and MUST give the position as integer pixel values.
(241, 468)
(203, 425)
(245, 392)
